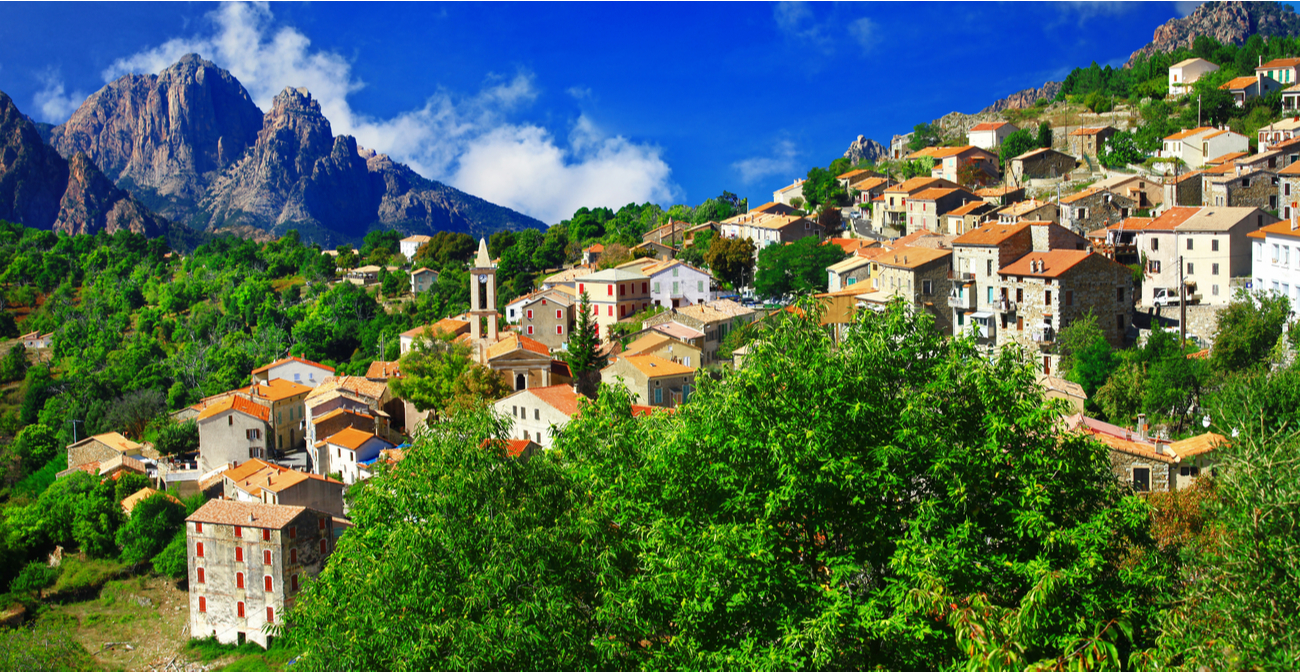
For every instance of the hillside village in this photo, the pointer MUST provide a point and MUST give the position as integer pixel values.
(284, 384)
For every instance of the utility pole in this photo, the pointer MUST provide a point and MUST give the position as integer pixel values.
(1182, 302)
(1198, 110)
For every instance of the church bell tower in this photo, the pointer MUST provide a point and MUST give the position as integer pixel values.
(483, 294)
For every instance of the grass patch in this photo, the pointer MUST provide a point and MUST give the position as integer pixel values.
(82, 575)
(208, 649)
(249, 656)
(46, 646)
(35, 483)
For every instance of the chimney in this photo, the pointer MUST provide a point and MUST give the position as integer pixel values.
(1295, 215)
(1142, 427)
(250, 518)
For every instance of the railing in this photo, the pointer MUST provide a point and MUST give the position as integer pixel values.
(960, 299)
(963, 276)
(1005, 306)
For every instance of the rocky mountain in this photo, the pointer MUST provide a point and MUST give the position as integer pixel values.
(1226, 22)
(191, 143)
(41, 189)
(866, 149)
(1023, 99)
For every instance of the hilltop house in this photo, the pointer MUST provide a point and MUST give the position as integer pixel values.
(1245, 88)
(232, 430)
(1185, 73)
(539, 413)
(296, 369)
(1197, 145)
(989, 134)
(410, 245)
(1089, 142)
(652, 380)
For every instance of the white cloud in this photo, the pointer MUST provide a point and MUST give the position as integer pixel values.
(1185, 7)
(579, 92)
(796, 20)
(780, 160)
(54, 104)
(863, 31)
(471, 141)
(1084, 10)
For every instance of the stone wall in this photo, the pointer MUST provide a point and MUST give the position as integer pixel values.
(90, 451)
(1202, 321)
(1122, 465)
(1252, 190)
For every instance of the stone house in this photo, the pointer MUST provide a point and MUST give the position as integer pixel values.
(1144, 467)
(1257, 189)
(101, 448)
(296, 369)
(966, 218)
(714, 320)
(665, 346)
(851, 179)
(344, 452)
(262, 482)
(926, 209)
(968, 165)
(547, 319)
(671, 234)
(990, 134)
(1142, 190)
(870, 189)
(847, 272)
(1181, 190)
(332, 422)
(1043, 292)
(1278, 132)
(1094, 208)
(247, 563)
(652, 380)
(410, 245)
(1029, 211)
(920, 276)
(1090, 141)
(36, 340)
(285, 400)
(1000, 196)
(423, 280)
(539, 413)
(233, 430)
(1040, 164)
(655, 250)
(977, 256)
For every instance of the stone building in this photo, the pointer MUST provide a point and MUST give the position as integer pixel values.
(1093, 209)
(101, 448)
(262, 482)
(1040, 164)
(1257, 189)
(1181, 190)
(920, 276)
(247, 563)
(233, 430)
(1029, 211)
(713, 321)
(977, 256)
(1043, 292)
(1090, 141)
(520, 361)
(966, 218)
(652, 380)
(1145, 192)
(926, 209)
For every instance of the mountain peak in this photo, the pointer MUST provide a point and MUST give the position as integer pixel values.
(1228, 22)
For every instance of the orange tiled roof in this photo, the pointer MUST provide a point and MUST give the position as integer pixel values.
(1092, 191)
(513, 342)
(1282, 228)
(1171, 218)
(317, 419)
(1054, 262)
(276, 389)
(1237, 83)
(1198, 444)
(245, 514)
(560, 397)
(933, 194)
(1133, 448)
(512, 447)
(989, 126)
(354, 384)
(1131, 224)
(990, 234)
(350, 438)
(1280, 63)
(445, 325)
(236, 403)
(654, 366)
(970, 208)
(1230, 156)
(1089, 131)
(1191, 131)
(912, 257)
(381, 369)
(129, 503)
(115, 441)
(912, 185)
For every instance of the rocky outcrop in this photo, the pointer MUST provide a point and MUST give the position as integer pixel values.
(866, 149)
(165, 137)
(1024, 99)
(1227, 22)
(40, 189)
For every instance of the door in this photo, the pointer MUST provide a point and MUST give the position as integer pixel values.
(1047, 365)
(521, 381)
(1141, 479)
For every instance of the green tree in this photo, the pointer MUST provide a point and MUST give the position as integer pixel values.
(924, 135)
(172, 561)
(799, 267)
(1044, 137)
(1121, 150)
(1248, 330)
(13, 365)
(731, 259)
(128, 484)
(177, 437)
(95, 520)
(1120, 399)
(584, 355)
(1086, 355)
(1016, 144)
(152, 525)
(477, 386)
(430, 370)
(36, 445)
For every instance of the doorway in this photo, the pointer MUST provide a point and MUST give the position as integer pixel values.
(521, 382)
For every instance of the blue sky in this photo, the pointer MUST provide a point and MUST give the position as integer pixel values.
(546, 107)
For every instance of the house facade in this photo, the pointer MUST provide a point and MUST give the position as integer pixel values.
(296, 369)
(101, 448)
(248, 562)
(410, 245)
(1090, 142)
(1203, 248)
(1040, 164)
(232, 430)
(926, 209)
(1094, 208)
(1245, 88)
(675, 284)
(1185, 73)
(989, 134)
(265, 483)
(345, 452)
(1255, 189)
(423, 280)
(615, 293)
(652, 380)
(539, 413)
(1198, 145)
(1275, 255)
(547, 319)
(892, 212)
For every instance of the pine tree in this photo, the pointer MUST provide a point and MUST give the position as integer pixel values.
(584, 356)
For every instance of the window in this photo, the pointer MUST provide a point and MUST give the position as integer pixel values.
(198, 549)
(1155, 244)
(239, 554)
(1047, 298)
(558, 314)
(324, 545)
(1286, 189)
(530, 330)
(1189, 243)
(675, 286)
(1119, 293)
(266, 583)
(656, 288)
(990, 293)
(297, 377)
(925, 286)
(1214, 290)
(1141, 479)
(270, 614)
(1189, 471)
(582, 287)
(1020, 295)
(266, 557)
(530, 313)
(701, 286)
(320, 522)
(253, 434)
(988, 269)
(294, 583)
(203, 604)
(659, 395)
(230, 420)
(293, 533)
(1214, 269)
(1191, 268)
(1214, 245)
(1020, 323)
(200, 575)
(1069, 297)
(643, 290)
(610, 311)
(537, 414)
(293, 556)
(239, 579)
(198, 527)
(239, 610)
(559, 330)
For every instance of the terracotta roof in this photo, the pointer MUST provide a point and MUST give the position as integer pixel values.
(445, 325)
(355, 384)
(1199, 354)
(1131, 224)
(129, 502)
(654, 366)
(849, 264)
(560, 397)
(264, 369)
(1293, 169)
(773, 207)
(236, 403)
(998, 191)
(249, 468)
(317, 419)
(1171, 218)
(381, 369)
(422, 271)
(1230, 156)
(1145, 450)
(851, 173)
(1182, 135)
(1237, 83)
(1025, 207)
(851, 245)
(678, 330)
(245, 514)
(648, 343)
(351, 438)
(1036, 152)
(989, 126)
(1055, 263)
(1282, 228)
(1198, 444)
(933, 194)
(512, 447)
(990, 234)
(1090, 131)
(597, 248)
(1218, 219)
(913, 237)
(912, 257)
(869, 183)
(913, 185)
(417, 238)
(945, 152)
(1092, 191)
(513, 342)
(277, 389)
(115, 441)
(1213, 135)
(970, 208)
(1279, 63)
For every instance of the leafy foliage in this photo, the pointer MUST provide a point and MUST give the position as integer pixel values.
(731, 259)
(799, 267)
(152, 525)
(1248, 330)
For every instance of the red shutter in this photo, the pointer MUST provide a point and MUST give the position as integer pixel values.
(559, 329)
(582, 287)
(267, 583)
(645, 288)
(239, 554)
(239, 532)
(530, 313)
(321, 523)
(293, 556)
(203, 604)
(200, 575)
(557, 314)
(530, 330)
(293, 531)
(198, 527)
(239, 610)
(270, 614)
(323, 546)
(266, 535)
(239, 579)
(295, 583)
(199, 549)
(266, 557)
(609, 290)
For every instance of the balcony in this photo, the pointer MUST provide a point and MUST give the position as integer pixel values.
(961, 276)
(1005, 306)
(962, 300)
(1045, 338)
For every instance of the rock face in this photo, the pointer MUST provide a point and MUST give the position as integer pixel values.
(1023, 99)
(40, 189)
(190, 143)
(166, 136)
(866, 149)
(1226, 22)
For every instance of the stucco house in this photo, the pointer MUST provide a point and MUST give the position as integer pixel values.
(652, 380)
(344, 451)
(423, 280)
(1090, 141)
(1212, 245)
(411, 245)
(1196, 146)
(296, 369)
(1185, 73)
(262, 482)
(989, 134)
(232, 430)
(539, 413)
(1245, 88)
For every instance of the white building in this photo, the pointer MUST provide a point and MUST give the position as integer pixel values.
(297, 369)
(1185, 73)
(539, 413)
(1275, 258)
(990, 134)
(1197, 145)
(423, 280)
(345, 452)
(1210, 247)
(787, 194)
(410, 245)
